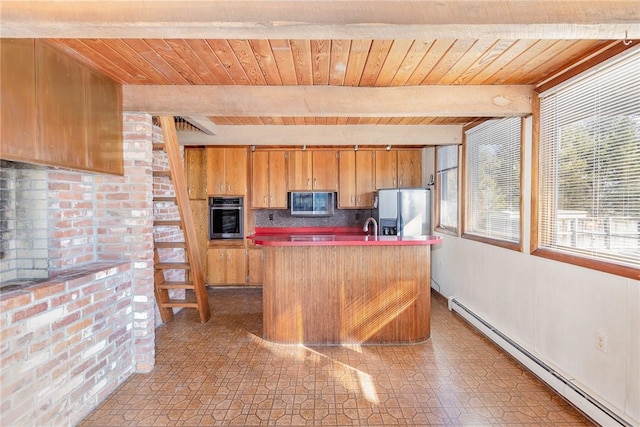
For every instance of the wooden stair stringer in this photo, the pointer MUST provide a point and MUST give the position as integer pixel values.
(192, 250)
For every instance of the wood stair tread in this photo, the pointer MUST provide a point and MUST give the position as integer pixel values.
(172, 266)
(180, 303)
(170, 245)
(175, 285)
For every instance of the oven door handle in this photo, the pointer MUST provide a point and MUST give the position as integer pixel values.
(226, 208)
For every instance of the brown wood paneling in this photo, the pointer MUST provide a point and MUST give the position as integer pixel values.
(195, 165)
(18, 100)
(254, 264)
(339, 294)
(104, 124)
(60, 90)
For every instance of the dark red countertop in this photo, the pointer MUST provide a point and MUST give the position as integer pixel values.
(332, 236)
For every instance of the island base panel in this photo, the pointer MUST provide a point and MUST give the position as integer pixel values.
(346, 295)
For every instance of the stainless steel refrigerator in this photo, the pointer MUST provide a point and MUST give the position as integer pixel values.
(404, 211)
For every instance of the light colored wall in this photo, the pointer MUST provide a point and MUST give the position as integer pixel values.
(552, 309)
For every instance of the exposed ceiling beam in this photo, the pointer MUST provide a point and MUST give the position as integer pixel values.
(203, 123)
(301, 19)
(330, 101)
(347, 135)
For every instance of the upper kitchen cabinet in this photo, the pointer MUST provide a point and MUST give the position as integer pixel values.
(104, 123)
(300, 170)
(195, 166)
(269, 180)
(356, 179)
(386, 169)
(398, 168)
(61, 89)
(227, 171)
(18, 88)
(410, 168)
(55, 111)
(313, 170)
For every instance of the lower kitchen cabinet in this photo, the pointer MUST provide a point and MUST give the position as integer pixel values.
(254, 258)
(226, 266)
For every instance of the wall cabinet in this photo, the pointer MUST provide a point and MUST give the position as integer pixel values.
(313, 170)
(356, 179)
(227, 171)
(398, 168)
(76, 112)
(226, 266)
(386, 165)
(269, 180)
(18, 100)
(410, 168)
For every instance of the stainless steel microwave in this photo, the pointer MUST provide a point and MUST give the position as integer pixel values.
(311, 203)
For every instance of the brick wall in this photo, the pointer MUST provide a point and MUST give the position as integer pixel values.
(66, 345)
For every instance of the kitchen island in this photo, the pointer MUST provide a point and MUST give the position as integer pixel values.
(329, 285)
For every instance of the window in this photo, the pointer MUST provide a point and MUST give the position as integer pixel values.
(589, 168)
(492, 182)
(447, 188)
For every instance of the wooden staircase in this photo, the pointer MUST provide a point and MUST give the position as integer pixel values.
(192, 264)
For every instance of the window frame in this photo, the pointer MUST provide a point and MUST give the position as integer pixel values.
(515, 246)
(438, 197)
(535, 247)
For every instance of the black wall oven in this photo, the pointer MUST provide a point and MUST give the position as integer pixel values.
(226, 217)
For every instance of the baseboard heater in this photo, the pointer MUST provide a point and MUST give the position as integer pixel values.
(580, 399)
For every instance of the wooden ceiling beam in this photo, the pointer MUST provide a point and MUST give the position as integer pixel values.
(345, 135)
(330, 101)
(301, 19)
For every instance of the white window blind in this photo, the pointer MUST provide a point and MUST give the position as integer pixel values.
(589, 164)
(447, 186)
(492, 167)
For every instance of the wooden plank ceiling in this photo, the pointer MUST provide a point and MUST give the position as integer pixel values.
(356, 63)
(366, 66)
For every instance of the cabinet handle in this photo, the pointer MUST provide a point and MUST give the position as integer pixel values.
(351, 199)
(264, 200)
(308, 182)
(229, 256)
(315, 182)
(394, 182)
(229, 187)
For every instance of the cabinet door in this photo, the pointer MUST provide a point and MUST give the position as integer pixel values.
(215, 171)
(277, 180)
(325, 170)
(235, 163)
(18, 100)
(216, 266)
(300, 170)
(260, 180)
(364, 178)
(104, 124)
(386, 169)
(60, 90)
(347, 172)
(410, 168)
(195, 166)
(236, 266)
(255, 266)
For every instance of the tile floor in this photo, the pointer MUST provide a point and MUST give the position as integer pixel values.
(222, 373)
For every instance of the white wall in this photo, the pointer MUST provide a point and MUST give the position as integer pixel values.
(552, 309)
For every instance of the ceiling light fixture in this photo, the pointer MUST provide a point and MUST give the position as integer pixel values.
(355, 147)
(388, 147)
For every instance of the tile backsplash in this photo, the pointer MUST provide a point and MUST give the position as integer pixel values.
(283, 218)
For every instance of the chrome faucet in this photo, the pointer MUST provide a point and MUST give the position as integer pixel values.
(372, 220)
